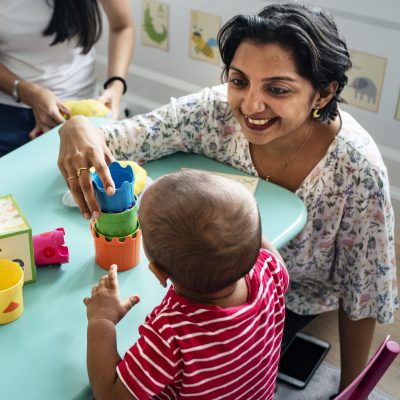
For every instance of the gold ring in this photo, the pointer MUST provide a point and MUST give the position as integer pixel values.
(78, 173)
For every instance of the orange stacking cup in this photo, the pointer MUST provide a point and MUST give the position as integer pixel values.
(125, 251)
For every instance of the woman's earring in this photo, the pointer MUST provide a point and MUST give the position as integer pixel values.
(316, 114)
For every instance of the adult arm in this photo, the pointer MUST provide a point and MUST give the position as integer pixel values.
(104, 311)
(355, 342)
(47, 108)
(120, 49)
(177, 126)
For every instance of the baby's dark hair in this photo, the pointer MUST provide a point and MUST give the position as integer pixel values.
(202, 229)
(319, 53)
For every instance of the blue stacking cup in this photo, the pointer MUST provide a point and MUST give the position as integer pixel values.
(123, 198)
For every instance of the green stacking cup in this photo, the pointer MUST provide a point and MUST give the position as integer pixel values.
(120, 238)
(118, 224)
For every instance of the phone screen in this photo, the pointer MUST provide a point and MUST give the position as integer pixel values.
(301, 358)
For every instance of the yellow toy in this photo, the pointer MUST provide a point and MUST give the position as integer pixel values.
(140, 175)
(11, 281)
(87, 107)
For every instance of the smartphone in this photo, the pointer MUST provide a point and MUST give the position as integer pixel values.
(301, 359)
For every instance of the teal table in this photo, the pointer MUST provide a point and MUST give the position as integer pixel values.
(43, 353)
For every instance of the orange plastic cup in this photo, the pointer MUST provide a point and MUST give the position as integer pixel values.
(125, 252)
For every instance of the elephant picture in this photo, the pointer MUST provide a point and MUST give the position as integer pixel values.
(364, 86)
(366, 78)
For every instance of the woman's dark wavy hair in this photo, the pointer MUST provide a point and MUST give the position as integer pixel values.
(320, 54)
(79, 19)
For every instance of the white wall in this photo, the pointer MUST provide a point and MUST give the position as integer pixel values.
(371, 26)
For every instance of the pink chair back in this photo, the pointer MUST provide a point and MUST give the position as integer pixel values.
(363, 385)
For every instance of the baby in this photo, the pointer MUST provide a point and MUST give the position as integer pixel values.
(217, 333)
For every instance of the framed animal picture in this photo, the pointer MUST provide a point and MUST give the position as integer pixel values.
(365, 80)
(155, 24)
(204, 28)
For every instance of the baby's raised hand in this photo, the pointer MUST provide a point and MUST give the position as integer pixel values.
(105, 302)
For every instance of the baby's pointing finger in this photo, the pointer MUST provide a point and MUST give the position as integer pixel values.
(113, 278)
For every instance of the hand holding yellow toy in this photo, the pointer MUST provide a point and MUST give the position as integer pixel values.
(87, 107)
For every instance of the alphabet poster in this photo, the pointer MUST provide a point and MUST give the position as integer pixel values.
(365, 80)
(155, 24)
(204, 28)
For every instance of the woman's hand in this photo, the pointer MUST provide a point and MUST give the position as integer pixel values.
(47, 108)
(111, 97)
(82, 146)
(105, 302)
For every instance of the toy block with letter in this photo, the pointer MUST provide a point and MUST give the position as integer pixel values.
(16, 237)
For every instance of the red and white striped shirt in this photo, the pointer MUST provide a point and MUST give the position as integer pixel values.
(195, 351)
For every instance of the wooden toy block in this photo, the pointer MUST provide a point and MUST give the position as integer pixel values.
(16, 237)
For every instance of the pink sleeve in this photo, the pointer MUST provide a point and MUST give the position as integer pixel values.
(283, 274)
(276, 268)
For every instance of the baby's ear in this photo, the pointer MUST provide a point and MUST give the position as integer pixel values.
(159, 273)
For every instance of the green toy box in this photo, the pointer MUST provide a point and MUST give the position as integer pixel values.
(16, 237)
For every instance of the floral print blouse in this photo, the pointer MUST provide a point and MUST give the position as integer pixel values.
(346, 249)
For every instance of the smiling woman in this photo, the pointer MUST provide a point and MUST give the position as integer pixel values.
(278, 118)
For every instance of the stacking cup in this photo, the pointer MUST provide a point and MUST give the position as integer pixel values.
(123, 251)
(118, 224)
(123, 198)
(50, 248)
(121, 238)
(11, 282)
